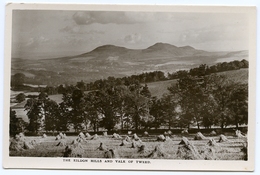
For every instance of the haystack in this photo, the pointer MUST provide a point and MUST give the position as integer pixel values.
(158, 152)
(135, 137)
(28, 145)
(212, 142)
(34, 142)
(213, 133)
(119, 137)
(79, 139)
(75, 141)
(62, 143)
(102, 147)
(21, 135)
(244, 150)
(133, 144)
(207, 153)
(161, 138)
(146, 133)
(116, 136)
(62, 135)
(167, 138)
(16, 145)
(95, 137)
(142, 149)
(129, 132)
(81, 135)
(19, 143)
(199, 136)
(58, 137)
(222, 138)
(110, 154)
(124, 142)
(87, 135)
(105, 133)
(44, 136)
(239, 134)
(73, 151)
(185, 131)
(128, 139)
(187, 150)
(184, 141)
(136, 143)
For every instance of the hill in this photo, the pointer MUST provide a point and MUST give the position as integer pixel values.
(110, 60)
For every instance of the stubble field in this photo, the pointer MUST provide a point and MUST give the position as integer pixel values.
(169, 149)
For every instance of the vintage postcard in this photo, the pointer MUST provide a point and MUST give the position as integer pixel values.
(127, 87)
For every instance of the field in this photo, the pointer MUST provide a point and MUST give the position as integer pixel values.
(229, 150)
(161, 87)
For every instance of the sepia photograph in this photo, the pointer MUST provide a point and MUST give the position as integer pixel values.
(127, 87)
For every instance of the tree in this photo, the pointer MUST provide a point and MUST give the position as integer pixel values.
(13, 128)
(239, 105)
(81, 85)
(73, 106)
(35, 116)
(145, 91)
(109, 102)
(156, 110)
(20, 97)
(137, 106)
(91, 109)
(17, 79)
(61, 89)
(190, 96)
(169, 110)
(51, 115)
(220, 87)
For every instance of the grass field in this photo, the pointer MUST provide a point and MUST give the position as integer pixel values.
(159, 88)
(47, 147)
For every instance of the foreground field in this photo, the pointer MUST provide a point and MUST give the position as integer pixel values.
(47, 147)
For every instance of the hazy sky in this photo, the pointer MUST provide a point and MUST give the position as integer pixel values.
(41, 33)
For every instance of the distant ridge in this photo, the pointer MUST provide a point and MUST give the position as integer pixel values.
(156, 49)
(116, 61)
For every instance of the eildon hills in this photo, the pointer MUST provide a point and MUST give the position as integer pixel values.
(111, 60)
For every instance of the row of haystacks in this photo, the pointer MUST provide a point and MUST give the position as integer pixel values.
(188, 151)
(135, 140)
(61, 136)
(162, 138)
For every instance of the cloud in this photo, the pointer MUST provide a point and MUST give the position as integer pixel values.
(36, 41)
(79, 29)
(86, 18)
(133, 38)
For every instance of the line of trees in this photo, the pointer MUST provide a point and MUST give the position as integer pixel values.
(195, 100)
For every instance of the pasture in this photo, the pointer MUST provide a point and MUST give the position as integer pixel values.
(169, 149)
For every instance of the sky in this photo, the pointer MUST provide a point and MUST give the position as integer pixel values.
(52, 33)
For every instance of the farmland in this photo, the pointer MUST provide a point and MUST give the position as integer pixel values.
(170, 149)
